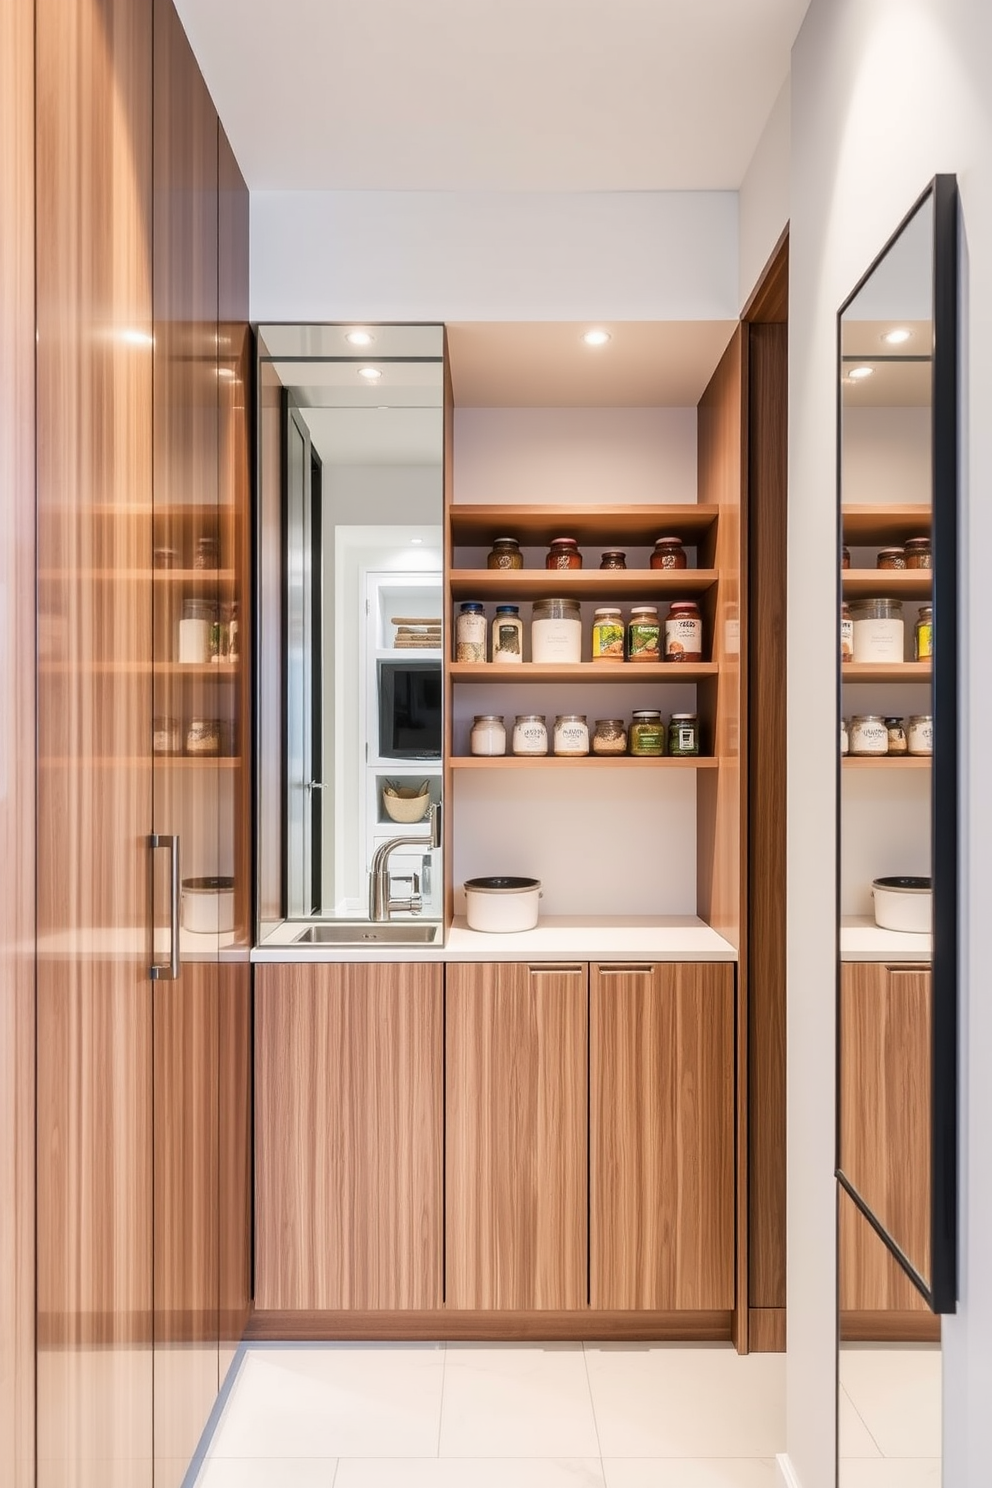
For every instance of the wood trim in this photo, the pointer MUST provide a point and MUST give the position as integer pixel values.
(475, 525)
(766, 1330)
(889, 1327)
(768, 303)
(457, 1324)
(447, 643)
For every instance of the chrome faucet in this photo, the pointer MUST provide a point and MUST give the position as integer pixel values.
(381, 902)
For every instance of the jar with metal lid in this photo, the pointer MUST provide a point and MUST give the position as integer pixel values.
(845, 738)
(644, 634)
(923, 634)
(869, 736)
(530, 734)
(846, 632)
(683, 734)
(607, 634)
(898, 743)
(165, 735)
(508, 635)
(920, 734)
(845, 557)
(878, 630)
(669, 553)
(470, 633)
(613, 558)
(919, 553)
(647, 734)
(207, 553)
(505, 554)
(556, 631)
(194, 631)
(563, 553)
(571, 736)
(203, 736)
(488, 734)
(684, 632)
(610, 737)
(891, 558)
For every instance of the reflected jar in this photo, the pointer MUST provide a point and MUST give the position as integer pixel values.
(845, 738)
(845, 557)
(919, 735)
(488, 735)
(898, 743)
(669, 553)
(165, 735)
(869, 736)
(846, 633)
(203, 736)
(194, 631)
(613, 558)
(647, 734)
(923, 634)
(610, 737)
(891, 559)
(563, 553)
(207, 555)
(879, 634)
(530, 734)
(919, 553)
(505, 554)
(508, 635)
(571, 736)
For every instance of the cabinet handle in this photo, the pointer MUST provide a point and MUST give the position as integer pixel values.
(549, 968)
(627, 968)
(168, 971)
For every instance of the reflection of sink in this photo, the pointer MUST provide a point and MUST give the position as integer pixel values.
(362, 932)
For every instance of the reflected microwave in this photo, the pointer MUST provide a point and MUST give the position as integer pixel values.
(409, 698)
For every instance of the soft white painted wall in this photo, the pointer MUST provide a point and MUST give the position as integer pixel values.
(886, 458)
(764, 194)
(884, 94)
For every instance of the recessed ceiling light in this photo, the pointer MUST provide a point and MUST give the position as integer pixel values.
(857, 373)
(372, 374)
(359, 338)
(897, 336)
(596, 338)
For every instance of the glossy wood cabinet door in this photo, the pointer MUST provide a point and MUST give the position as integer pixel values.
(348, 1091)
(661, 1123)
(516, 1082)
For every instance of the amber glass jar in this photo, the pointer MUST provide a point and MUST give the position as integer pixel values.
(891, 558)
(845, 557)
(505, 554)
(919, 553)
(669, 553)
(563, 553)
(613, 558)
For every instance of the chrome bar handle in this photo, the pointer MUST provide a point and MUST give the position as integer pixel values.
(168, 971)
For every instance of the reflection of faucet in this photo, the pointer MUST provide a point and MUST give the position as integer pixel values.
(381, 903)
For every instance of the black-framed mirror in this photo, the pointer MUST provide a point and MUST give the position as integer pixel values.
(897, 983)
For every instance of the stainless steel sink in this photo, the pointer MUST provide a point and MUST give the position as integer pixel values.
(363, 932)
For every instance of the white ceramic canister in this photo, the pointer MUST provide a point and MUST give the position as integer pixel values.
(530, 734)
(879, 630)
(208, 905)
(869, 736)
(920, 734)
(556, 631)
(488, 735)
(904, 904)
(571, 738)
(194, 631)
(502, 905)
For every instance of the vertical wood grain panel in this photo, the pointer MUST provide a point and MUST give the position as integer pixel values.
(348, 1136)
(870, 1280)
(662, 1137)
(17, 744)
(516, 1063)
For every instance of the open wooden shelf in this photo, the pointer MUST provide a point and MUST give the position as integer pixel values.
(201, 577)
(222, 671)
(883, 523)
(532, 526)
(876, 583)
(887, 762)
(582, 671)
(142, 761)
(626, 584)
(896, 671)
(599, 762)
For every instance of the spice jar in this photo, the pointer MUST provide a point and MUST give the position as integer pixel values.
(898, 743)
(165, 558)
(669, 553)
(607, 634)
(846, 632)
(845, 557)
(684, 632)
(505, 553)
(488, 734)
(918, 552)
(165, 735)
(878, 630)
(610, 736)
(508, 635)
(920, 734)
(530, 734)
(563, 553)
(613, 558)
(923, 636)
(845, 740)
(470, 633)
(647, 734)
(556, 631)
(890, 558)
(571, 736)
(869, 736)
(194, 631)
(644, 634)
(207, 553)
(683, 734)
(203, 736)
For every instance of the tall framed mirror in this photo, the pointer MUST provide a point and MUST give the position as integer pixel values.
(897, 982)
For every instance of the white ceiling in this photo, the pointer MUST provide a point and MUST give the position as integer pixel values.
(500, 95)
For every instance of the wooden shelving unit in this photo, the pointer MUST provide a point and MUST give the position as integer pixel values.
(625, 586)
(884, 523)
(591, 761)
(887, 762)
(876, 583)
(584, 672)
(896, 671)
(534, 526)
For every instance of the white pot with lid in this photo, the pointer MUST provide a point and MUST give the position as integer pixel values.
(903, 903)
(502, 905)
(208, 905)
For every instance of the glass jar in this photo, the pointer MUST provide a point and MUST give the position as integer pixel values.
(684, 632)
(869, 736)
(508, 635)
(194, 631)
(919, 553)
(669, 553)
(203, 736)
(845, 738)
(556, 631)
(898, 743)
(846, 632)
(613, 558)
(878, 630)
(488, 734)
(607, 634)
(530, 734)
(233, 636)
(920, 734)
(470, 633)
(845, 557)
(505, 553)
(644, 634)
(207, 555)
(610, 737)
(683, 735)
(165, 735)
(165, 558)
(647, 734)
(571, 736)
(923, 634)
(563, 553)
(891, 558)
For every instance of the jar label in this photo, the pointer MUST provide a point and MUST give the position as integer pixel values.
(921, 737)
(556, 640)
(607, 641)
(507, 646)
(924, 641)
(571, 738)
(683, 637)
(878, 640)
(645, 638)
(869, 738)
(847, 640)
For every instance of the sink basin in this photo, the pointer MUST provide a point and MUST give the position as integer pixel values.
(362, 932)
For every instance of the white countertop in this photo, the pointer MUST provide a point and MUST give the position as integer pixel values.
(862, 940)
(557, 938)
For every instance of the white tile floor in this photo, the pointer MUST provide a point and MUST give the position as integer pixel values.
(563, 1415)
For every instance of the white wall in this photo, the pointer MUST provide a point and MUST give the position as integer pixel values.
(884, 94)
(764, 194)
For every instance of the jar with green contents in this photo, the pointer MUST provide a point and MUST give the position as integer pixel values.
(647, 734)
(683, 735)
(607, 634)
(644, 634)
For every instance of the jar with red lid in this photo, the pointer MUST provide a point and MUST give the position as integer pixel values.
(563, 553)
(684, 632)
(669, 553)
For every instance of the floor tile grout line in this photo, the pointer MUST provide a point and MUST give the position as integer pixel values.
(871, 1434)
(595, 1419)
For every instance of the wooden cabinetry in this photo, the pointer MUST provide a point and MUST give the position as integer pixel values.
(516, 1064)
(348, 1090)
(661, 1123)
